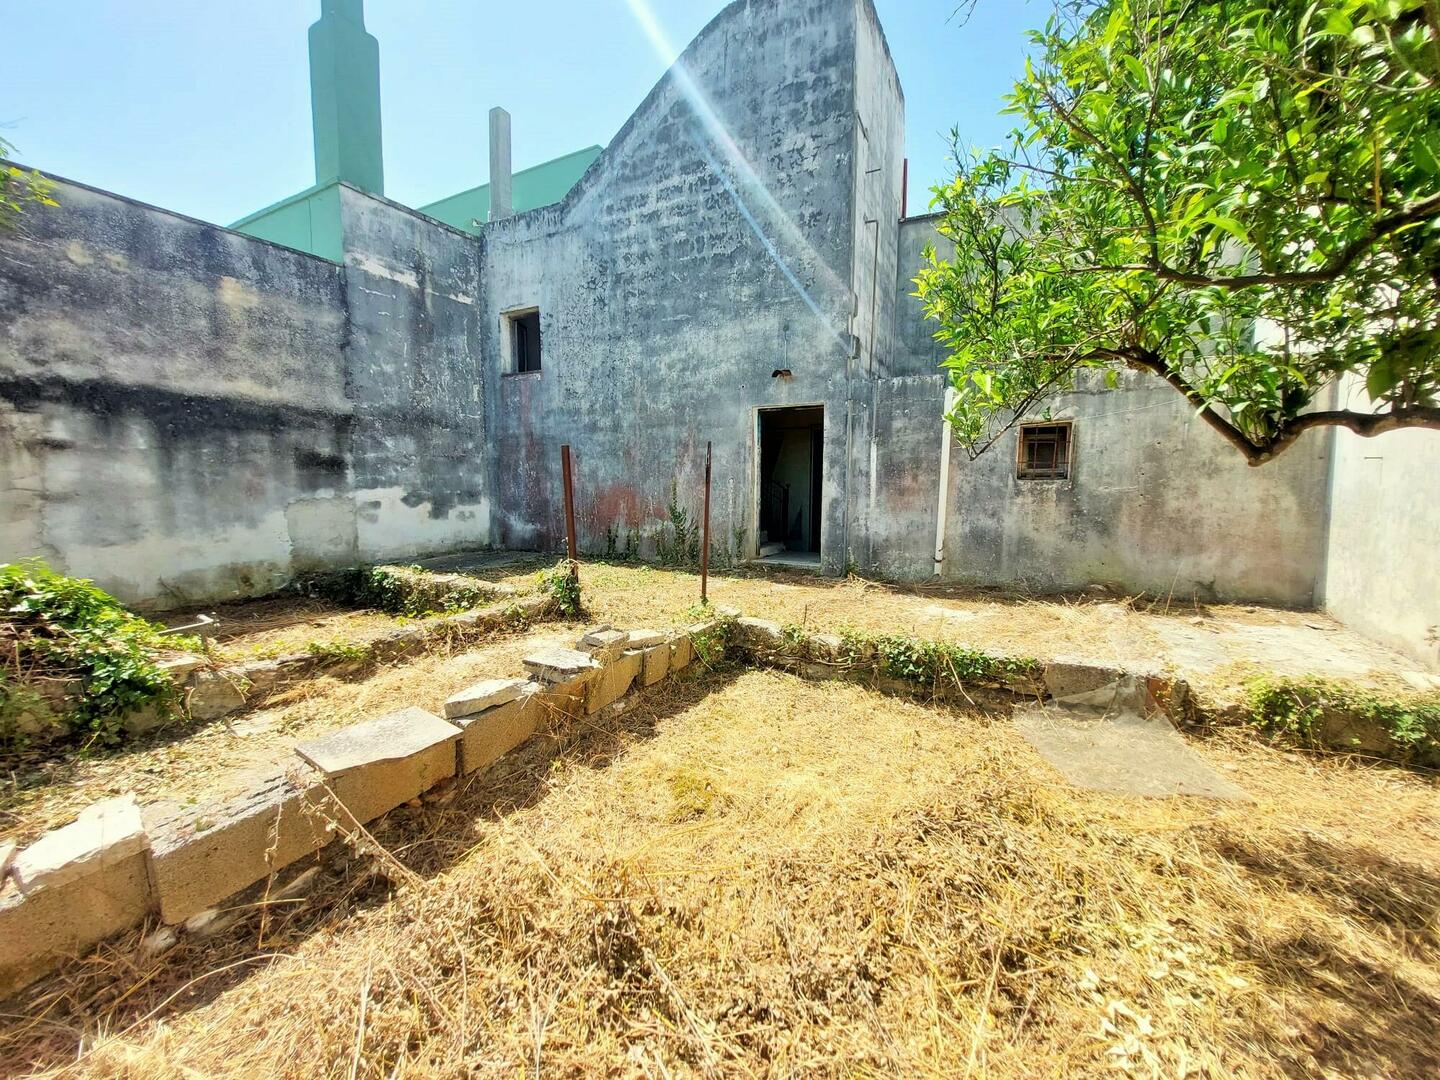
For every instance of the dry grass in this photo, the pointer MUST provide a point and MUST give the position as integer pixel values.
(219, 758)
(752, 875)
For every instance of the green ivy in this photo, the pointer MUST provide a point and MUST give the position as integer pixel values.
(59, 629)
(1295, 709)
(712, 645)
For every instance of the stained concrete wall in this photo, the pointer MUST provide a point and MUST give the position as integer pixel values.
(710, 245)
(1155, 500)
(190, 414)
(1382, 572)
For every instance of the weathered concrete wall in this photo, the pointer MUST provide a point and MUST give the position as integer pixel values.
(172, 399)
(1382, 572)
(413, 370)
(708, 246)
(1155, 501)
(189, 414)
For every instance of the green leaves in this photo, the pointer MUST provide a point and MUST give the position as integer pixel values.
(1237, 194)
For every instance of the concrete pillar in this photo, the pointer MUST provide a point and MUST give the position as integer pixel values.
(345, 97)
(500, 175)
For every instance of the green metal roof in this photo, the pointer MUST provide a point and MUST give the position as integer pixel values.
(309, 220)
(539, 185)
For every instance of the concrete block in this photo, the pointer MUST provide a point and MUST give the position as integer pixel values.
(104, 834)
(655, 664)
(483, 695)
(215, 694)
(181, 667)
(604, 645)
(760, 635)
(645, 639)
(495, 731)
(613, 681)
(682, 650)
(211, 852)
(376, 765)
(558, 665)
(39, 931)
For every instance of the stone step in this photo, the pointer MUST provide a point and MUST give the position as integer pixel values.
(774, 548)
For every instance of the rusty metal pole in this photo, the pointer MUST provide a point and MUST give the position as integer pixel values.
(571, 543)
(705, 534)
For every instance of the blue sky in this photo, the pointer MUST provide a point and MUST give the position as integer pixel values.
(204, 108)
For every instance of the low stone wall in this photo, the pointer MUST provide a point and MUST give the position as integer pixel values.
(119, 864)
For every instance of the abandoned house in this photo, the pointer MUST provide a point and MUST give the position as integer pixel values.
(189, 412)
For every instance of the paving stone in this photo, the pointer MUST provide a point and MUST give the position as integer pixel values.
(211, 852)
(495, 731)
(557, 665)
(374, 766)
(655, 664)
(614, 680)
(483, 695)
(105, 833)
(215, 694)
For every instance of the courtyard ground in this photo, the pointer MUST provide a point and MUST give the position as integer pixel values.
(749, 874)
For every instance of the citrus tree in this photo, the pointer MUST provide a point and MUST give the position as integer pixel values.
(1241, 197)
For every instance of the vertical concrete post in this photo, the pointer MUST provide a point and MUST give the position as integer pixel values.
(345, 97)
(500, 204)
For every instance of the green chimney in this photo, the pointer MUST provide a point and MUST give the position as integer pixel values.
(345, 97)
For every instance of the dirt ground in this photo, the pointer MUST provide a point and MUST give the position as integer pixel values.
(751, 875)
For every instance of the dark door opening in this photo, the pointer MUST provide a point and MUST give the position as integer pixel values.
(792, 459)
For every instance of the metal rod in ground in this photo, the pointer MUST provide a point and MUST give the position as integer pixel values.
(571, 543)
(705, 533)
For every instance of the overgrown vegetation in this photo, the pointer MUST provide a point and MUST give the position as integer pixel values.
(20, 189)
(712, 644)
(562, 582)
(410, 591)
(72, 656)
(680, 545)
(935, 665)
(1323, 714)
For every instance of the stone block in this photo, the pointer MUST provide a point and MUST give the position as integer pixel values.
(376, 765)
(604, 645)
(105, 833)
(655, 663)
(181, 667)
(828, 647)
(493, 732)
(645, 639)
(682, 650)
(760, 635)
(215, 694)
(40, 930)
(613, 681)
(557, 665)
(483, 695)
(211, 852)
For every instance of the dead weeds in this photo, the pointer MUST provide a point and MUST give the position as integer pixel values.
(752, 875)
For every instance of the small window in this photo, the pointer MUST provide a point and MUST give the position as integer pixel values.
(1044, 452)
(524, 329)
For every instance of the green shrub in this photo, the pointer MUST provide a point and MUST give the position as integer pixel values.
(562, 582)
(60, 630)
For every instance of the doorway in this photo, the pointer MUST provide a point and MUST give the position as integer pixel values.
(792, 461)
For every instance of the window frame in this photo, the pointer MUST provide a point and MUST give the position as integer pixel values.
(1053, 474)
(510, 323)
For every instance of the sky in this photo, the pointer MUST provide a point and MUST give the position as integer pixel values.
(204, 107)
